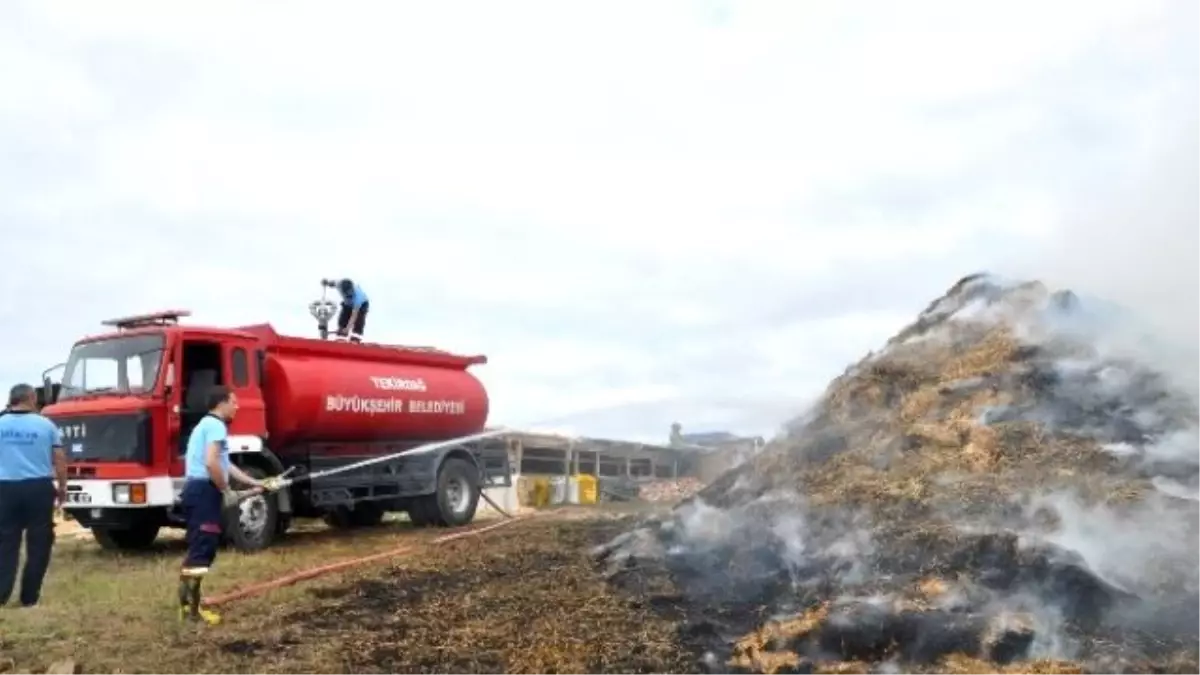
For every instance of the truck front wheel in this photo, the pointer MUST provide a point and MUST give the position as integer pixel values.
(252, 526)
(136, 538)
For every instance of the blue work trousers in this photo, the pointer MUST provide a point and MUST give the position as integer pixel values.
(26, 512)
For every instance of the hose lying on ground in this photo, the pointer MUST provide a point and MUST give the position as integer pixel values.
(303, 575)
(494, 505)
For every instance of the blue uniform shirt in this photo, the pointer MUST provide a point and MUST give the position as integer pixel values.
(27, 442)
(356, 299)
(210, 430)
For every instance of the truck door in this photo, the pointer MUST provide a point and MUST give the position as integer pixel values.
(197, 365)
(200, 364)
(242, 377)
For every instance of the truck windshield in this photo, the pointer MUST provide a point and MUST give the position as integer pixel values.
(124, 365)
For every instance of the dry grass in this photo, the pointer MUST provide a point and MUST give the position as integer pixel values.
(116, 612)
(914, 443)
(529, 601)
(761, 651)
(523, 599)
(957, 663)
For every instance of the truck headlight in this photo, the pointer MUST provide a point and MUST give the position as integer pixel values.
(129, 493)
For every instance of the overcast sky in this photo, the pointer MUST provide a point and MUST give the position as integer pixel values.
(641, 211)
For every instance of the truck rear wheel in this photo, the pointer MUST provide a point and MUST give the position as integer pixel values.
(252, 526)
(137, 538)
(455, 500)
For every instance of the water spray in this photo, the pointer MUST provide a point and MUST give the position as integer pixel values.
(283, 481)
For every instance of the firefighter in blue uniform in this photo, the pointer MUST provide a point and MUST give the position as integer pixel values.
(206, 495)
(352, 319)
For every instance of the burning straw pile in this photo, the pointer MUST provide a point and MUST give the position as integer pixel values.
(1003, 487)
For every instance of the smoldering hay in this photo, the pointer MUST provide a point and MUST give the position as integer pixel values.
(1005, 485)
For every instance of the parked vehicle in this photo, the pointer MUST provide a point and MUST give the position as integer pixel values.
(128, 399)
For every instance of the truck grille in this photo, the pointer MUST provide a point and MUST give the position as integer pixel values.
(106, 438)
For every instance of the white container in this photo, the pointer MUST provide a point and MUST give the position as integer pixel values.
(506, 497)
(558, 490)
(573, 491)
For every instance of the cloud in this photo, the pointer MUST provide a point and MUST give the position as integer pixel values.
(700, 210)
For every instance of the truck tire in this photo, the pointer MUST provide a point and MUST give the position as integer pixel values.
(138, 538)
(252, 526)
(457, 495)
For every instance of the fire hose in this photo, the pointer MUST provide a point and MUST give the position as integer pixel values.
(304, 575)
(285, 480)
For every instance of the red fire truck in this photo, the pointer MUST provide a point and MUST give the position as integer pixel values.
(128, 399)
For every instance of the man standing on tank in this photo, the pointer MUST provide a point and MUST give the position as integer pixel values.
(206, 495)
(31, 460)
(352, 320)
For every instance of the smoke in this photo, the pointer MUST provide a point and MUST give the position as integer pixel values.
(1137, 243)
(1043, 572)
(1146, 550)
(1115, 362)
(749, 551)
(1098, 379)
(1129, 234)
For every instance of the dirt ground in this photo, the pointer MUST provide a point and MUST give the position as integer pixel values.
(524, 598)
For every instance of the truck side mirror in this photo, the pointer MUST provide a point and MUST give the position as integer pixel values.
(47, 394)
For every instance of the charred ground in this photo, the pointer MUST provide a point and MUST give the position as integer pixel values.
(528, 601)
(1003, 485)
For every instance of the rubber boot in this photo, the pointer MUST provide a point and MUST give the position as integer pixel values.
(185, 595)
(189, 602)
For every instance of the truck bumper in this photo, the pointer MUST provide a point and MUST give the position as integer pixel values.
(120, 519)
(138, 493)
(121, 503)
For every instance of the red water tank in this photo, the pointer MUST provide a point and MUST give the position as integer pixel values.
(339, 393)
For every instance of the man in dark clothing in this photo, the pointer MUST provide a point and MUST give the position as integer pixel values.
(31, 458)
(352, 320)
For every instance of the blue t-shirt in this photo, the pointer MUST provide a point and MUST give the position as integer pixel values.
(27, 442)
(356, 299)
(210, 430)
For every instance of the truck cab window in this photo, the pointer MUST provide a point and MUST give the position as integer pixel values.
(240, 367)
(122, 365)
(201, 370)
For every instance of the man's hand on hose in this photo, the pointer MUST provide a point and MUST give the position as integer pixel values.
(230, 498)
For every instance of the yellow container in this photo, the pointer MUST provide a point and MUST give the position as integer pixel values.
(589, 488)
(525, 491)
(541, 491)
